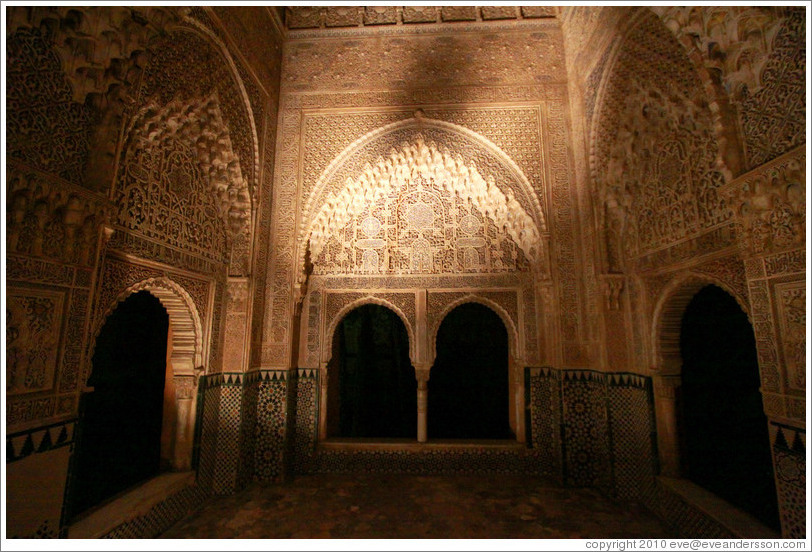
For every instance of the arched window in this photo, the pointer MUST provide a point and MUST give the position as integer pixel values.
(119, 444)
(469, 385)
(372, 390)
(724, 445)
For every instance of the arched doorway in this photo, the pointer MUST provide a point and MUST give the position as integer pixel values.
(120, 427)
(372, 390)
(469, 385)
(723, 430)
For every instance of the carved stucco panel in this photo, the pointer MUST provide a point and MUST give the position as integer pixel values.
(33, 330)
(564, 233)
(275, 341)
(790, 301)
(764, 329)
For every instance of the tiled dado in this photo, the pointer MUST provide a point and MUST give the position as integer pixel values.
(269, 431)
(789, 453)
(246, 423)
(43, 439)
(162, 515)
(592, 428)
(221, 435)
(585, 428)
(543, 402)
(37, 469)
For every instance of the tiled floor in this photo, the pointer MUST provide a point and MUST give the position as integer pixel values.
(403, 506)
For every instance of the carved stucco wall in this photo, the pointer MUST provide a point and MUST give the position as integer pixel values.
(676, 80)
(185, 109)
(655, 158)
(335, 91)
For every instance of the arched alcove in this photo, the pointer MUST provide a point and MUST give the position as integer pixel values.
(724, 445)
(372, 390)
(469, 391)
(122, 418)
(182, 354)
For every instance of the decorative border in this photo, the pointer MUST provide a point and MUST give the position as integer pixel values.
(42, 439)
(515, 25)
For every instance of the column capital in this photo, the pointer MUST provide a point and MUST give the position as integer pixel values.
(422, 372)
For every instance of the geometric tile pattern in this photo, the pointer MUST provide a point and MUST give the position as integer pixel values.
(162, 516)
(271, 419)
(595, 428)
(543, 400)
(632, 434)
(305, 420)
(210, 391)
(210, 395)
(586, 431)
(250, 396)
(228, 435)
(220, 436)
(789, 452)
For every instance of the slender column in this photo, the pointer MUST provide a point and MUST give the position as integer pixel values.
(422, 375)
(665, 406)
(323, 382)
(517, 368)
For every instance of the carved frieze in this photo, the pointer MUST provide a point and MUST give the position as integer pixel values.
(299, 18)
(424, 60)
(34, 320)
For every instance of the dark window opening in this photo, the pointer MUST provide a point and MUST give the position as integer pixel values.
(468, 387)
(723, 435)
(372, 390)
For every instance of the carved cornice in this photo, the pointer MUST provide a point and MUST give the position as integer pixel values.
(332, 21)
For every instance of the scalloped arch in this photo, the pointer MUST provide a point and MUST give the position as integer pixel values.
(369, 300)
(316, 201)
(514, 345)
(187, 330)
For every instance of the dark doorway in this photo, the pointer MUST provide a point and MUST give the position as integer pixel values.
(468, 388)
(724, 441)
(372, 388)
(119, 444)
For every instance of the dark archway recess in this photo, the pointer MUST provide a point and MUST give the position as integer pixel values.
(723, 431)
(372, 389)
(468, 387)
(119, 440)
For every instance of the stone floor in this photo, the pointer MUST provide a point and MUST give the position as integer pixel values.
(403, 506)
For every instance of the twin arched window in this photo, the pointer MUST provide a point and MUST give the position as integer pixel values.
(372, 388)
